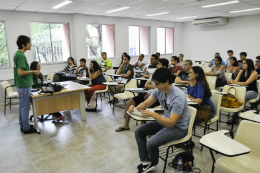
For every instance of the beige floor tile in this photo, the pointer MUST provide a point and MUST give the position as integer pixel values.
(10, 147)
(42, 151)
(68, 143)
(83, 126)
(95, 134)
(85, 153)
(54, 164)
(28, 168)
(29, 140)
(14, 160)
(76, 169)
(107, 164)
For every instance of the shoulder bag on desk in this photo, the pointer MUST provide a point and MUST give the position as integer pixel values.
(51, 88)
(229, 100)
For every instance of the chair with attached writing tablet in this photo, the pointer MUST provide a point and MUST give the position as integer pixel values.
(247, 163)
(191, 113)
(212, 82)
(256, 100)
(108, 78)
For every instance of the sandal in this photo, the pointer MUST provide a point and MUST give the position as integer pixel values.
(121, 129)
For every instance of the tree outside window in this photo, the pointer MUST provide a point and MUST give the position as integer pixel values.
(50, 42)
(4, 60)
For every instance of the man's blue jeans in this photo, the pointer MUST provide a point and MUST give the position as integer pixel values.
(24, 107)
(149, 149)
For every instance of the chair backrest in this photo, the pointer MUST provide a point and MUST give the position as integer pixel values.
(247, 135)
(228, 76)
(50, 76)
(241, 93)
(192, 114)
(9, 91)
(110, 72)
(206, 69)
(216, 100)
(134, 75)
(258, 87)
(131, 84)
(212, 82)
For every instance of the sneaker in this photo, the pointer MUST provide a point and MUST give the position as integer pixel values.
(63, 118)
(31, 126)
(230, 121)
(140, 166)
(31, 130)
(146, 168)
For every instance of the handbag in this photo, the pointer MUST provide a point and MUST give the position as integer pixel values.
(51, 88)
(203, 114)
(229, 100)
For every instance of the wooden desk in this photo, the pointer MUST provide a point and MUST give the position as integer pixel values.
(70, 97)
(217, 141)
(250, 116)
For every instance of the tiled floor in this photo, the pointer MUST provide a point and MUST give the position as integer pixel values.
(75, 147)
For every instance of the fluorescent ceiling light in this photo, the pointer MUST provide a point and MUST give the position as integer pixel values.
(224, 3)
(240, 11)
(119, 9)
(157, 14)
(61, 4)
(187, 17)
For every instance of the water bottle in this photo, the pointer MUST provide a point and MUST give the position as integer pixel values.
(44, 81)
(49, 81)
(119, 79)
(85, 73)
(180, 165)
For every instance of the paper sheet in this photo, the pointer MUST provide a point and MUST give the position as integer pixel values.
(189, 100)
(136, 112)
(135, 89)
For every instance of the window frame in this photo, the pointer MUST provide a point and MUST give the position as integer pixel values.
(9, 66)
(59, 62)
(165, 40)
(149, 38)
(88, 59)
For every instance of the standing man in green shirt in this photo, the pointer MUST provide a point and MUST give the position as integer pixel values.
(105, 63)
(23, 80)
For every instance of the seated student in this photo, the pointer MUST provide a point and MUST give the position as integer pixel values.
(170, 127)
(141, 98)
(105, 63)
(181, 61)
(126, 71)
(71, 67)
(153, 60)
(38, 82)
(219, 71)
(246, 77)
(175, 68)
(122, 58)
(230, 54)
(212, 62)
(97, 78)
(243, 56)
(233, 67)
(81, 68)
(141, 62)
(257, 65)
(183, 77)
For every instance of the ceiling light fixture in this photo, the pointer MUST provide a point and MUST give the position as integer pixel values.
(61, 4)
(240, 11)
(224, 3)
(157, 14)
(187, 17)
(118, 9)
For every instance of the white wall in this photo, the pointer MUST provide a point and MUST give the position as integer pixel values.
(241, 34)
(17, 23)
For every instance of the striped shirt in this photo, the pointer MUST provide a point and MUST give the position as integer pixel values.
(70, 70)
(197, 91)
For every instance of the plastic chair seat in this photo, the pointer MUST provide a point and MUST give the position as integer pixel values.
(124, 95)
(244, 163)
(254, 100)
(13, 94)
(232, 109)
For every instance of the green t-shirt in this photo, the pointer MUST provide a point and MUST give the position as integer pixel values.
(20, 61)
(105, 63)
(37, 86)
(126, 68)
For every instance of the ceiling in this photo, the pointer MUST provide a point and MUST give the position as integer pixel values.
(138, 8)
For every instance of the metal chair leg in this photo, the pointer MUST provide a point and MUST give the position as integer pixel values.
(10, 102)
(165, 162)
(5, 106)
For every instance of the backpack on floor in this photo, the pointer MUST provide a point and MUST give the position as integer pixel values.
(186, 158)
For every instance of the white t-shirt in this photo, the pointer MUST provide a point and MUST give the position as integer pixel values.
(141, 62)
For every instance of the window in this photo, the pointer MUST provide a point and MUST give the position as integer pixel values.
(165, 40)
(100, 38)
(50, 42)
(4, 60)
(138, 40)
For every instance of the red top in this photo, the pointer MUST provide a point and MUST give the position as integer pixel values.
(175, 69)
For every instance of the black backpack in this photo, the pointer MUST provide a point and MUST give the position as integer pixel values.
(186, 158)
(51, 88)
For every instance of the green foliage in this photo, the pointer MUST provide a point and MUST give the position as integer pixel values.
(3, 47)
(92, 41)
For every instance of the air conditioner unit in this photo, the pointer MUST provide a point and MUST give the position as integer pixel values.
(210, 21)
